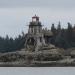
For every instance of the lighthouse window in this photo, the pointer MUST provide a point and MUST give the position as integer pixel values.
(40, 39)
(32, 30)
(39, 29)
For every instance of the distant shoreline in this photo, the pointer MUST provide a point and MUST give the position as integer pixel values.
(55, 64)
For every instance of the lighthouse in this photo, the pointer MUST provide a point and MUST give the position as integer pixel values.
(34, 37)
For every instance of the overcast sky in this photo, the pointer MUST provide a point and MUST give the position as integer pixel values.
(16, 14)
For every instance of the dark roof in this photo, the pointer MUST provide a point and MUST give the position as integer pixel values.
(35, 17)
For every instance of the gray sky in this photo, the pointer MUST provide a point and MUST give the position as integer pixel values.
(16, 14)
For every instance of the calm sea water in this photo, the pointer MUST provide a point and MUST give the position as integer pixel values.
(37, 71)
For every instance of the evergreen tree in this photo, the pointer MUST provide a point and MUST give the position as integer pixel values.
(69, 33)
(59, 27)
(53, 29)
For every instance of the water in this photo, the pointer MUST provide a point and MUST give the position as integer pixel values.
(37, 71)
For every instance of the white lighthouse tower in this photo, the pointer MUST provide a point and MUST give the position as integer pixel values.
(35, 37)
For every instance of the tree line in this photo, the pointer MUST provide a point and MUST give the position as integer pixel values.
(9, 44)
(64, 38)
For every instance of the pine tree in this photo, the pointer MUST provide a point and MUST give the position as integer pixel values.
(69, 32)
(53, 29)
(59, 27)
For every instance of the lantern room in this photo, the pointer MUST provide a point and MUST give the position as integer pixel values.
(35, 19)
